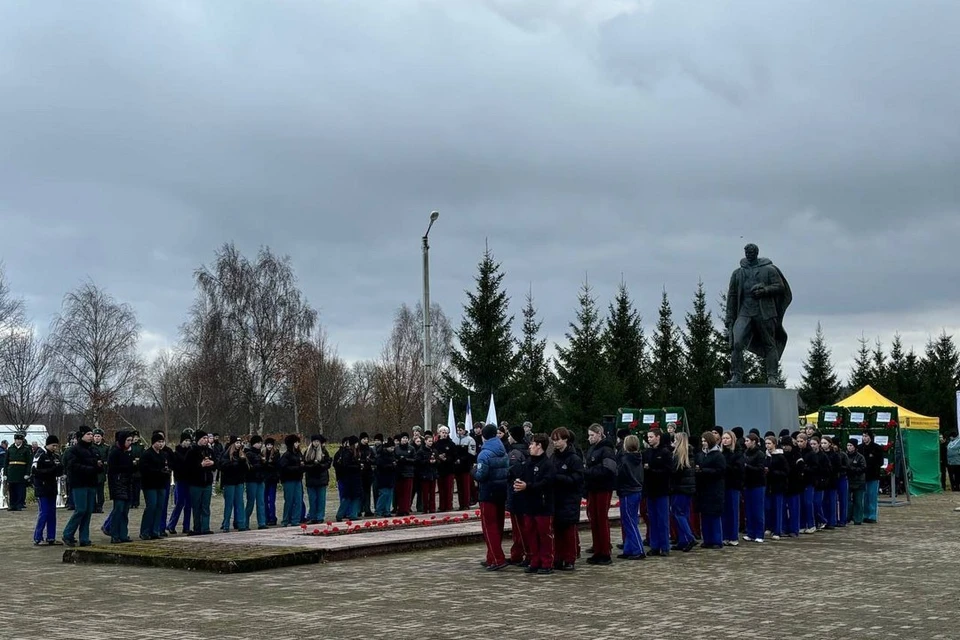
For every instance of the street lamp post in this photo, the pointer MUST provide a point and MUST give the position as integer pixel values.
(427, 355)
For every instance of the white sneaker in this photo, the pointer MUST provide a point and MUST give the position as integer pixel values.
(747, 538)
(808, 531)
(957, 509)
(733, 543)
(759, 540)
(767, 532)
(774, 537)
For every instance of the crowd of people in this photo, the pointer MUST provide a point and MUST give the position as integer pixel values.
(726, 488)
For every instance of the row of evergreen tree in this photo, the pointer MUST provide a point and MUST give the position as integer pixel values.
(608, 361)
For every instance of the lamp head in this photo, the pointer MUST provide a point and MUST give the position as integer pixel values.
(434, 215)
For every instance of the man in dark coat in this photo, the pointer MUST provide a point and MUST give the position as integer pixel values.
(568, 491)
(46, 469)
(517, 453)
(84, 467)
(103, 450)
(406, 470)
(120, 478)
(757, 299)
(200, 465)
(874, 455)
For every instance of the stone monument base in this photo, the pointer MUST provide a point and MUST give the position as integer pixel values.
(760, 407)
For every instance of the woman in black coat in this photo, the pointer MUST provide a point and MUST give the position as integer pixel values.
(683, 486)
(777, 472)
(754, 487)
(733, 488)
(830, 503)
(711, 478)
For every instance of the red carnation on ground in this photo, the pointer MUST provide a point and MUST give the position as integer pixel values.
(303, 526)
(477, 512)
(336, 529)
(316, 532)
(329, 523)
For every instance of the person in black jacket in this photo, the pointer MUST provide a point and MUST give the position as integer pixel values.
(754, 486)
(290, 467)
(777, 475)
(367, 456)
(385, 468)
(256, 470)
(629, 490)
(45, 471)
(683, 486)
(711, 475)
(796, 484)
(121, 467)
(426, 461)
(200, 466)
(658, 466)
(567, 492)
(233, 478)
(809, 465)
(600, 478)
(843, 483)
(446, 457)
(348, 473)
(406, 470)
(873, 454)
(856, 474)
(181, 490)
(517, 454)
(536, 483)
(82, 470)
(821, 478)
(154, 479)
(317, 464)
(271, 478)
(733, 487)
(830, 502)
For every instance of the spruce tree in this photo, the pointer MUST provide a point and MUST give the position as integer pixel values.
(529, 397)
(667, 372)
(891, 386)
(861, 375)
(485, 360)
(941, 377)
(879, 369)
(819, 383)
(583, 383)
(624, 349)
(911, 382)
(703, 362)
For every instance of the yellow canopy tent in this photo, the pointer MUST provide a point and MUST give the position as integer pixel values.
(920, 438)
(870, 397)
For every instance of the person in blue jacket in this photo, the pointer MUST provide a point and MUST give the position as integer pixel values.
(491, 472)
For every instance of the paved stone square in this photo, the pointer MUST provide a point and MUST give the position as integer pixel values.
(898, 579)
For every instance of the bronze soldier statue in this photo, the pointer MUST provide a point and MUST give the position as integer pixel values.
(757, 299)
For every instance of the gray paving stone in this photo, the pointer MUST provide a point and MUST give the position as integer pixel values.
(897, 579)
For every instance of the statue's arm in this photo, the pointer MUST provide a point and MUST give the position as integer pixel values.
(774, 286)
(733, 306)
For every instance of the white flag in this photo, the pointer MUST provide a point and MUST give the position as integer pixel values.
(451, 420)
(492, 413)
(469, 421)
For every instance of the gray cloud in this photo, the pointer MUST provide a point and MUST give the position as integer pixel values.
(648, 139)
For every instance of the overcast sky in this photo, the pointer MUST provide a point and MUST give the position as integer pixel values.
(647, 140)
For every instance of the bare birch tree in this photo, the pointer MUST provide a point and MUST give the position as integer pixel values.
(11, 309)
(94, 345)
(263, 316)
(24, 377)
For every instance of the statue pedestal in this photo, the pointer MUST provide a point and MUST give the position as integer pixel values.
(759, 407)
